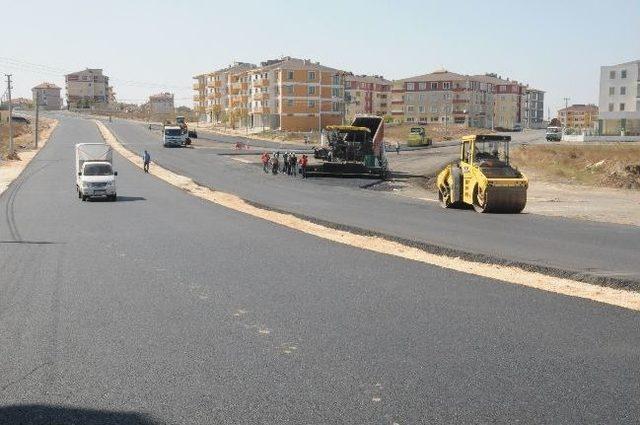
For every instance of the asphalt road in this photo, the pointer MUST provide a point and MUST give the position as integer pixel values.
(600, 250)
(163, 308)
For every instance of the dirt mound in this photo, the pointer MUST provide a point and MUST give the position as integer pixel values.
(610, 165)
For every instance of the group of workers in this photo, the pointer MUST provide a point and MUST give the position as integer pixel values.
(287, 163)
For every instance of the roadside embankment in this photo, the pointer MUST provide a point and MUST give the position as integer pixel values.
(378, 243)
(10, 168)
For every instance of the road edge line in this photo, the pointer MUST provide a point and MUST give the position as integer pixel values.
(505, 273)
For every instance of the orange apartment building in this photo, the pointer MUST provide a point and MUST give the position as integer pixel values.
(289, 94)
(367, 94)
(579, 116)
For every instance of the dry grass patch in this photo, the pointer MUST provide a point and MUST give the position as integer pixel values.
(604, 165)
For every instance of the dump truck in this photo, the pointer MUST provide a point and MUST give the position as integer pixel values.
(355, 149)
(182, 123)
(483, 177)
(418, 137)
(94, 171)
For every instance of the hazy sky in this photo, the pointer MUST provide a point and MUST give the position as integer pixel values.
(147, 46)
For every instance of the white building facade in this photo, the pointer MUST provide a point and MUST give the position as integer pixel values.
(620, 99)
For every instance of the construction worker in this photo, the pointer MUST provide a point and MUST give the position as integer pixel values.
(146, 159)
(265, 162)
(303, 166)
(293, 160)
(274, 164)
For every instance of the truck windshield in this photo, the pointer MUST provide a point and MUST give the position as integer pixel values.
(172, 132)
(97, 170)
(492, 149)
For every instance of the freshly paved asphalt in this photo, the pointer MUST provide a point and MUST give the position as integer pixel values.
(163, 308)
(579, 247)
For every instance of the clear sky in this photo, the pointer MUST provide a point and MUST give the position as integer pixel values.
(149, 46)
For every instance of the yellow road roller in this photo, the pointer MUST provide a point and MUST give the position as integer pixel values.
(483, 177)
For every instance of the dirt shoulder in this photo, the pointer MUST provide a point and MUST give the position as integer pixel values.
(10, 169)
(589, 182)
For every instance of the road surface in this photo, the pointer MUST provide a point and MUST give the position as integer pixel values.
(597, 250)
(165, 309)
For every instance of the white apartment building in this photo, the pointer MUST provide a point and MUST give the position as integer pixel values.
(619, 100)
(47, 96)
(161, 103)
(87, 89)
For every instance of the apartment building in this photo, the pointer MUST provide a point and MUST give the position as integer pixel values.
(620, 99)
(367, 94)
(287, 93)
(47, 96)
(578, 116)
(88, 89)
(509, 101)
(533, 116)
(161, 104)
(444, 96)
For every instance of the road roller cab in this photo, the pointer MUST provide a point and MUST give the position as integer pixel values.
(483, 177)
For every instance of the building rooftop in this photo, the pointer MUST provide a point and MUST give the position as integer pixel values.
(46, 85)
(375, 79)
(580, 107)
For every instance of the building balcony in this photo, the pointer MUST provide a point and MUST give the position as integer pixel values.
(261, 110)
(261, 82)
(197, 98)
(196, 86)
(261, 96)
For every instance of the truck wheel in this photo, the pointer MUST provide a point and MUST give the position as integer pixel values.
(113, 198)
(83, 197)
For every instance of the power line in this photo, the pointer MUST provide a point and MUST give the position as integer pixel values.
(59, 72)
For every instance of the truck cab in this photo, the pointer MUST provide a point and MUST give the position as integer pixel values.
(97, 179)
(173, 135)
(94, 171)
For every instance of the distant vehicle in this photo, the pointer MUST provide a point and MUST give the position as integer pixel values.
(418, 137)
(554, 134)
(20, 120)
(422, 123)
(94, 171)
(174, 136)
(517, 127)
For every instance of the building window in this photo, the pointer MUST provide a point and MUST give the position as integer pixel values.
(410, 86)
(335, 92)
(623, 73)
(446, 85)
(622, 107)
(612, 75)
(612, 91)
(289, 75)
(410, 108)
(422, 86)
(409, 98)
(311, 90)
(434, 86)
(311, 75)
(421, 109)
(289, 102)
(434, 109)
(311, 104)
(335, 107)
(623, 90)
(335, 80)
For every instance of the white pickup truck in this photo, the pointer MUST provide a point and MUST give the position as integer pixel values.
(94, 171)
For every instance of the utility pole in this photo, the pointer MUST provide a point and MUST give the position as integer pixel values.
(566, 111)
(10, 115)
(35, 132)
(319, 104)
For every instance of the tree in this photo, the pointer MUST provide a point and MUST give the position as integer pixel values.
(555, 123)
(216, 113)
